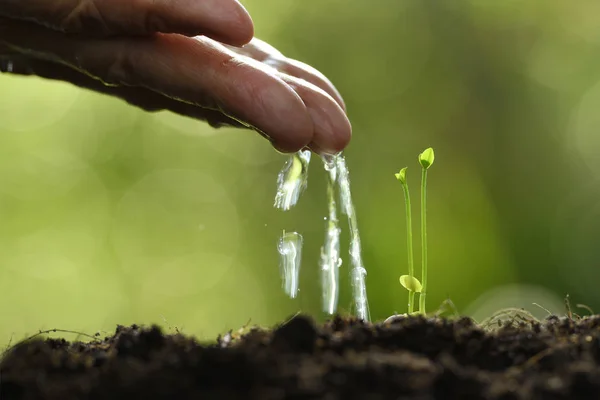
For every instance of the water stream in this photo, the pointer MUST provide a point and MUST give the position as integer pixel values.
(358, 272)
(291, 182)
(330, 260)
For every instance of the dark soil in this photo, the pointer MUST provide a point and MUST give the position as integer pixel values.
(408, 358)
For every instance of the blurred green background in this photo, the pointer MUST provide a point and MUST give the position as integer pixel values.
(109, 215)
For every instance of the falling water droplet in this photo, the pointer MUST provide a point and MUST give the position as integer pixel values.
(292, 180)
(290, 251)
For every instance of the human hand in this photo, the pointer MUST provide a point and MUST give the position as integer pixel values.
(182, 56)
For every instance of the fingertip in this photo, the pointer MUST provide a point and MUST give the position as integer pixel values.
(289, 135)
(341, 136)
(290, 145)
(240, 27)
(284, 118)
(271, 106)
(226, 21)
(336, 138)
(331, 126)
(246, 27)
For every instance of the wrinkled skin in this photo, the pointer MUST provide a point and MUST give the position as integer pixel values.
(194, 57)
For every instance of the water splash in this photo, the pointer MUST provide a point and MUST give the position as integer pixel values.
(290, 251)
(292, 180)
(358, 272)
(331, 261)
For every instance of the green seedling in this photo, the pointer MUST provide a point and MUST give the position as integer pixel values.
(426, 159)
(410, 282)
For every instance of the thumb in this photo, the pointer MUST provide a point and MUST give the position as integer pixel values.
(226, 21)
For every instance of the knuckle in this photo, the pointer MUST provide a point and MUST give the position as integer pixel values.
(152, 23)
(86, 17)
(232, 65)
(152, 18)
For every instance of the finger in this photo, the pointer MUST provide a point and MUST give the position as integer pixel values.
(332, 129)
(309, 74)
(195, 70)
(139, 97)
(267, 54)
(224, 20)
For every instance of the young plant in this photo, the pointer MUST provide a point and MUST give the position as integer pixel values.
(409, 281)
(426, 159)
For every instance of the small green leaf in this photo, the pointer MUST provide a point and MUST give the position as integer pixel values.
(411, 283)
(401, 176)
(426, 158)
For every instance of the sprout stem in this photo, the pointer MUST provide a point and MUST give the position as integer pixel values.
(423, 293)
(409, 245)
